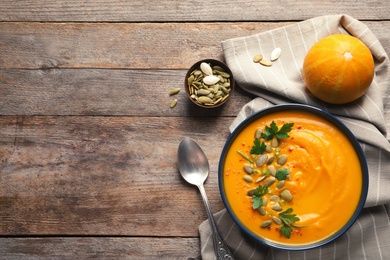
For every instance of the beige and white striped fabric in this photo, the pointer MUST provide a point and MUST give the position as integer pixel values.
(368, 118)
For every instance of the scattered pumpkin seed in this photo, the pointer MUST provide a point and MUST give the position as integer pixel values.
(261, 160)
(280, 184)
(251, 192)
(275, 142)
(275, 54)
(261, 210)
(269, 181)
(248, 178)
(274, 198)
(260, 178)
(286, 195)
(258, 133)
(173, 103)
(174, 91)
(265, 202)
(270, 160)
(277, 220)
(248, 169)
(272, 170)
(277, 207)
(282, 159)
(257, 58)
(266, 224)
(266, 63)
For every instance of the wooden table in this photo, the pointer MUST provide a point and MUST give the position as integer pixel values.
(88, 142)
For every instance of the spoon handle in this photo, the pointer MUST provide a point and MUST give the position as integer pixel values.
(221, 249)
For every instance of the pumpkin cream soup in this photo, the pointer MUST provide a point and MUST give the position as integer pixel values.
(292, 178)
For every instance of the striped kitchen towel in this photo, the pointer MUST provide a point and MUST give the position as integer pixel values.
(368, 118)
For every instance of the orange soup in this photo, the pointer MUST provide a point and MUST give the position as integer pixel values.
(322, 176)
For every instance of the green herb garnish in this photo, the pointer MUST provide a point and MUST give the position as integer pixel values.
(288, 220)
(258, 147)
(257, 196)
(281, 174)
(273, 130)
(245, 157)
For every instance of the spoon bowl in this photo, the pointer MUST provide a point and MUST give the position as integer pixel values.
(194, 168)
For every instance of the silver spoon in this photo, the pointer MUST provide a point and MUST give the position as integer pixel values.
(194, 167)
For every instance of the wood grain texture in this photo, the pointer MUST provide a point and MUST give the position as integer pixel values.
(103, 175)
(127, 46)
(188, 10)
(99, 248)
(102, 92)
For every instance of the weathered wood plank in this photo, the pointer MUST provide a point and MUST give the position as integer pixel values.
(199, 10)
(102, 92)
(129, 46)
(103, 175)
(99, 248)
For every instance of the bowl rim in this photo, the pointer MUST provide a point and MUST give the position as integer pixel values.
(337, 123)
(213, 62)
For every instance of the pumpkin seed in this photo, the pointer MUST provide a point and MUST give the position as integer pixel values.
(265, 62)
(203, 92)
(248, 178)
(272, 170)
(275, 142)
(210, 80)
(218, 68)
(265, 202)
(190, 79)
(173, 103)
(282, 159)
(275, 54)
(274, 198)
(261, 210)
(248, 169)
(277, 207)
(251, 192)
(286, 195)
(258, 133)
(261, 160)
(205, 100)
(269, 181)
(268, 148)
(257, 58)
(280, 184)
(277, 220)
(260, 178)
(270, 160)
(266, 224)
(206, 68)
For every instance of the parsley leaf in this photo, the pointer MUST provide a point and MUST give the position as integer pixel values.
(258, 147)
(282, 133)
(286, 231)
(261, 191)
(257, 202)
(287, 217)
(273, 130)
(288, 220)
(268, 133)
(257, 196)
(281, 174)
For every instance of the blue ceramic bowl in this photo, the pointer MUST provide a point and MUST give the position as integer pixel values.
(330, 118)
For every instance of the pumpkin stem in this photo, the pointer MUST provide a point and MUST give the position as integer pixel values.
(347, 55)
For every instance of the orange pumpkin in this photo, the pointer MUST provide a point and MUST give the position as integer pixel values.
(338, 69)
